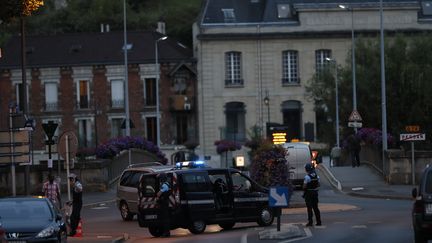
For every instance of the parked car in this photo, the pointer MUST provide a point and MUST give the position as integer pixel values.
(200, 196)
(422, 208)
(127, 188)
(31, 219)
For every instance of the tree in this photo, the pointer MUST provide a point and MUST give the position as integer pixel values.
(10, 9)
(408, 63)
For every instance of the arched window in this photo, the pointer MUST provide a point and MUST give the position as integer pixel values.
(235, 121)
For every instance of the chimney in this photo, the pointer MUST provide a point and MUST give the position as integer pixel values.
(161, 27)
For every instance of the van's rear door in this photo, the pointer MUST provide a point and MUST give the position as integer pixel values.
(147, 205)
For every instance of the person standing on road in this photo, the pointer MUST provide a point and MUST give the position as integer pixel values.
(163, 201)
(51, 190)
(77, 189)
(310, 187)
(354, 147)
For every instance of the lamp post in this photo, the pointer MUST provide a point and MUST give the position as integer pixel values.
(267, 103)
(353, 63)
(383, 88)
(337, 98)
(125, 50)
(157, 90)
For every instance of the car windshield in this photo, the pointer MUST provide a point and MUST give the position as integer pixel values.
(29, 209)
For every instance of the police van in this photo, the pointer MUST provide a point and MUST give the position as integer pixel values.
(202, 196)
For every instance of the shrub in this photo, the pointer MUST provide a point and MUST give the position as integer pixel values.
(114, 146)
(227, 145)
(269, 166)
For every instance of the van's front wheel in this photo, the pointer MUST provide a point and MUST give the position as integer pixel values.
(197, 227)
(266, 217)
(125, 213)
(155, 231)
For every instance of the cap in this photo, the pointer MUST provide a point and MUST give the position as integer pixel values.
(72, 175)
(308, 167)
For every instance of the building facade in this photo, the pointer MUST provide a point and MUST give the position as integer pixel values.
(256, 56)
(78, 82)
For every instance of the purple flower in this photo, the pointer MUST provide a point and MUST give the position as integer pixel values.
(227, 145)
(114, 146)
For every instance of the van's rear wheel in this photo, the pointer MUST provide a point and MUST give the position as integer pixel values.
(266, 217)
(125, 213)
(197, 227)
(155, 231)
(227, 226)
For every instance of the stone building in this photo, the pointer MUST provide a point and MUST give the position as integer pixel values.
(255, 57)
(77, 81)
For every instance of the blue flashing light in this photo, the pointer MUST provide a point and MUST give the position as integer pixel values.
(190, 164)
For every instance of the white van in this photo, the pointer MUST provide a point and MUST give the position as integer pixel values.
(298, 155)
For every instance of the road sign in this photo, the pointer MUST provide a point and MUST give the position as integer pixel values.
(279, 196)
(355, 116)
(73, 144)
(412, 136)
(355, 124)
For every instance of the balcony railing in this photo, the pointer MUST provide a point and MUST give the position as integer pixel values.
(51, 106)
(117, 103)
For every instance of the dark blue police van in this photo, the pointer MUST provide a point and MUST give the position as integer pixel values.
(202, 196)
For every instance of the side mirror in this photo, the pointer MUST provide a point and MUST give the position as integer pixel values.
(414, 193)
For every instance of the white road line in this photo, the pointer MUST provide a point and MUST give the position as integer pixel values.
(359, 227)
(308, 235)
(98, 208)
(244, 238)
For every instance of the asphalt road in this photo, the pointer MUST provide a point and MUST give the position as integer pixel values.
(365, 220)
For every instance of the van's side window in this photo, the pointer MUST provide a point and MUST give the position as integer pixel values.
(195, 182)
(150, 184)
(240, 183)
(134, 180)
(125, 178)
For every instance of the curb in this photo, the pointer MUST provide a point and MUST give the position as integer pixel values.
(332, 179)
(394, 197)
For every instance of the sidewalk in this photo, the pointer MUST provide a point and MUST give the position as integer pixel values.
(363, 181)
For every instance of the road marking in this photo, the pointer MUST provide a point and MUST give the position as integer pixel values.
(357, 188)
(99, 208)
(308, 235)
(244, 238)
(359, 227)
(104, 236)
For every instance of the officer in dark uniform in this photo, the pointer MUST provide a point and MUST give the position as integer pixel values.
(163, 201)
(77, 189)
(310, 187)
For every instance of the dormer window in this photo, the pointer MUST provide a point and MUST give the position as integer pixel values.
(283, 11)
(229, 15)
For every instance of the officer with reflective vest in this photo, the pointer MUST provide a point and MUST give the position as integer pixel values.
(310, 187)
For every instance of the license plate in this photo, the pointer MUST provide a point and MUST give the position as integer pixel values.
(152, 216)
(428, 208)
(17, 241)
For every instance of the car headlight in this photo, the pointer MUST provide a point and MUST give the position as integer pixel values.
(46, 232)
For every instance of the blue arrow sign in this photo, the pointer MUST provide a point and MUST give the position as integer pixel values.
(279, 196)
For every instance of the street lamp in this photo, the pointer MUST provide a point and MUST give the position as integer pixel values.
(383, 88)
(352, 57)
(267, 103)
(337, 98)
(125, 50)
(157, 90)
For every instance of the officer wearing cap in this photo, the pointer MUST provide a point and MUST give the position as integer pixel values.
(77, 189)
(310, 187)
(163, 201)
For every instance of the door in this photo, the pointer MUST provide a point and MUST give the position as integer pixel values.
(196, 189)
(222, 194)
(247, 200)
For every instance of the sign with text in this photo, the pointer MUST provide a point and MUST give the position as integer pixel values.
(412, 136)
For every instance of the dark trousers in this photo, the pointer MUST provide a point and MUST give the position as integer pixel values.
(355, 158)
(75, 216)
(311, 199)
(165, 218)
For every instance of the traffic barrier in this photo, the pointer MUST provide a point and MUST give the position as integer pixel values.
(79, 232)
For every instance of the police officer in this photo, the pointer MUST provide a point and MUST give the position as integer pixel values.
(77, 188)
(310, 187)
(163, 200)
